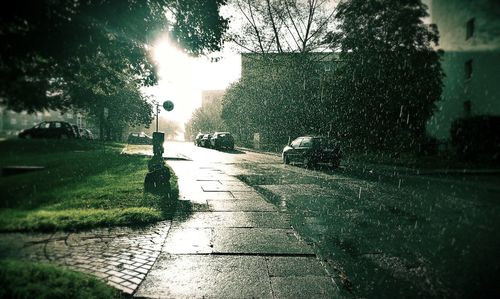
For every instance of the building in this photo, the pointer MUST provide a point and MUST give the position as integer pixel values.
(211, 96)
(470, 37)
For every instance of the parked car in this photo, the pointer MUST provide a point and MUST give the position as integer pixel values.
(49, 129)
(86, 134)
(197, 139)
(311, 150)
(222, 140)
(205, 140)
(139, 138)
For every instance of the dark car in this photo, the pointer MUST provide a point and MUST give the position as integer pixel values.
(205, 140)
(311, 150)
(139, 138)
(197, 139)
(49, 129)
(222, 140)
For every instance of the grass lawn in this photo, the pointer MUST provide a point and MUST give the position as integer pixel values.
(29, 280)
(84, 184)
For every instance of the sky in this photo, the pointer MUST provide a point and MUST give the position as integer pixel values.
(182, 78)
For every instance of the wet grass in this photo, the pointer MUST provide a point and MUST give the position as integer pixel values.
(31, 280)
(83, 185)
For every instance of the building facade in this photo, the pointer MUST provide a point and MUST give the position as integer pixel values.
(211, 96)
(470, 37)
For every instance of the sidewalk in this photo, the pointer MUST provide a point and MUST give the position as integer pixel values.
(234, 245)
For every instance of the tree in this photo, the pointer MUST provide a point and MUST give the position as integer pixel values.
(282, 26)
(278, 97)
(68, 54)
(206, 118)
(390, 76)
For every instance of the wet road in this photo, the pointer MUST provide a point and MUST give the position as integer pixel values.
(410, 236)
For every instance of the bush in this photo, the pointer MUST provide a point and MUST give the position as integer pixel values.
(477, 138)
(428, 146)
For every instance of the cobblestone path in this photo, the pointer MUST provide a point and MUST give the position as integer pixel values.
(121, 256)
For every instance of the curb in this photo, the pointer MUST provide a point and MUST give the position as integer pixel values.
(258, 151)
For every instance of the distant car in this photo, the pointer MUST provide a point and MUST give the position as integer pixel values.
(139, 138)
(49, 129)
(205, 140)
(197, 139)
(311, 150)
(222, 140)
(86, 134)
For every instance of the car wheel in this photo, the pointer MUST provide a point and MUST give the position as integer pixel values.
(64, 136)
(307, 162)
(286, 160)
(28, 136)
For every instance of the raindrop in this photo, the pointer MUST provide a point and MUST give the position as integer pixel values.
(359, 194)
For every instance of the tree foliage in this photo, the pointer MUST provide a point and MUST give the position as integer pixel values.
(206, 118)
(383, 80)
(390, 76)
(281, 26)
(68, 54)
(276, 98)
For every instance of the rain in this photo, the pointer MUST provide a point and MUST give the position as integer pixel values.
(263, 149)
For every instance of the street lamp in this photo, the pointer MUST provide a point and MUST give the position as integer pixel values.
(158, 178)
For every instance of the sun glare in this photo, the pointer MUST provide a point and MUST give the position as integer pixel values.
(182, 77)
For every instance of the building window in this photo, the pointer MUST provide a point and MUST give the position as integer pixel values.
(468, 69)
(467, 108)
(470, 28)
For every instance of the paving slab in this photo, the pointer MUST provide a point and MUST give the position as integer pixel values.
(236, 219)
(264, 241)
(189, 241)
(246, 195)
(212, 187)
(244, 205)
(286, 266)
(304, 287)
(207, 276)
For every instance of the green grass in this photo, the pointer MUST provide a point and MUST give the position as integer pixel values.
(30, 280)
(83, 185)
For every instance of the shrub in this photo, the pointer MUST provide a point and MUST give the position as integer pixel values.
(477, 138)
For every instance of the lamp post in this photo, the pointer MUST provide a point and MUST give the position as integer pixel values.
(158, 178)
